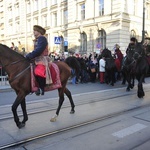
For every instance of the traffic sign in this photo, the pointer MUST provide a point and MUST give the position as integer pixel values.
(98, 45)
(65, 43)
(57, 40)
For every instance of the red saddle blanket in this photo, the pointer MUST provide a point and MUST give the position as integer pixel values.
(55, 75)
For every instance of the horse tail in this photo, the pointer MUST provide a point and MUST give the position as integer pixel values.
(73, 63)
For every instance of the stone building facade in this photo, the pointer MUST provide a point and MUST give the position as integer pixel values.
(81, 26)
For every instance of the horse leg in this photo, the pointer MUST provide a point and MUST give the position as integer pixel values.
(68, 93)
(123, 77)
(133, 80)
(128, 79)
(25, 116)
(14, 110)
(140, 92)
(61, 100)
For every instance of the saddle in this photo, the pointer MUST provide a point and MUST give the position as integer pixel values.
(55, 75)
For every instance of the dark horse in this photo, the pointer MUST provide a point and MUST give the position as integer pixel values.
(141, 67)
(18, 69)
(128, 69)
(110, 67)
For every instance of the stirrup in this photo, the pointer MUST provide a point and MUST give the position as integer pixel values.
(39, 92)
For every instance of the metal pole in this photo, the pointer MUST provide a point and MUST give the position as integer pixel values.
(143, 30)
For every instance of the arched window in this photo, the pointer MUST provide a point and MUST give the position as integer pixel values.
(102, 38)
(83, 43)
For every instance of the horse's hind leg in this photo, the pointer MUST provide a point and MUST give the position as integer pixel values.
(68, 93)
(23, 106)
(140, 92)
(61, 100)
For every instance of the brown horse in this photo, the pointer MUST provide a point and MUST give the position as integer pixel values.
(18, 69)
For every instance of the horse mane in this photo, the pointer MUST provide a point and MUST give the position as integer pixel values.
(73, 63)
(106, 53)
(139, 47)
(11, 51)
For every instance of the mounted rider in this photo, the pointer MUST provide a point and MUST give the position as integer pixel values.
(132, 44)
(40, 55)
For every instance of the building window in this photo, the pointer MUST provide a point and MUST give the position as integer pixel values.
(36, 20)
(44, 21)
(54, 2)
(55, 19)
(28, 7)
(10, 29)
(147, 7)
(132, 7)
(101, 7)
(82, 11)
(65, 21)
(17, 9)
(17, 28)
(10, 12)
(102, 38)
(35, 5)
(28, 25)
(83, 43)
(44, 4)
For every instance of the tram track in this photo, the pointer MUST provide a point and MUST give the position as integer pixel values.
(65, 105)
(69, 128)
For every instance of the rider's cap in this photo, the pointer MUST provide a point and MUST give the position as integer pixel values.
(39, 29)
(133, 39)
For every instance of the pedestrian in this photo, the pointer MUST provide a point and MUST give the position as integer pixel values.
(118, 53)
(40, 54)
(102, 70)
(13, 47)
(118, 61)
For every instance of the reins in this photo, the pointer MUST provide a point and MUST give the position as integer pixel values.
(13, 63)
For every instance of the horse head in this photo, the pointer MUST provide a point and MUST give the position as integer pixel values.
(139, 51)
(106, 53)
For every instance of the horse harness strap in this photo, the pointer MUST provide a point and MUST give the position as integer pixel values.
(19, 74)
(13, 63)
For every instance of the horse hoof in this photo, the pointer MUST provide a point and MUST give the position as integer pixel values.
(53, 120)
(21, 125)
(72, 111)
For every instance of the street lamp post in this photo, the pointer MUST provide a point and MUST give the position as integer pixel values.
(143, 30)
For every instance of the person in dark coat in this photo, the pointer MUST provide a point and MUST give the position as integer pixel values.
(132, 44)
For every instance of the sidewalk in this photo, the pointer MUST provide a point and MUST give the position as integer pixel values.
(5, 87)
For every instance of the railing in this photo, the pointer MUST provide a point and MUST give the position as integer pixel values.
(3, 78)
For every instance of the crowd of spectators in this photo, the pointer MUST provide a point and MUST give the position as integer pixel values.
(93, 66)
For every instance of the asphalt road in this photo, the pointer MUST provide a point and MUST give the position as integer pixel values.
(127, 129)
(7, 97)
